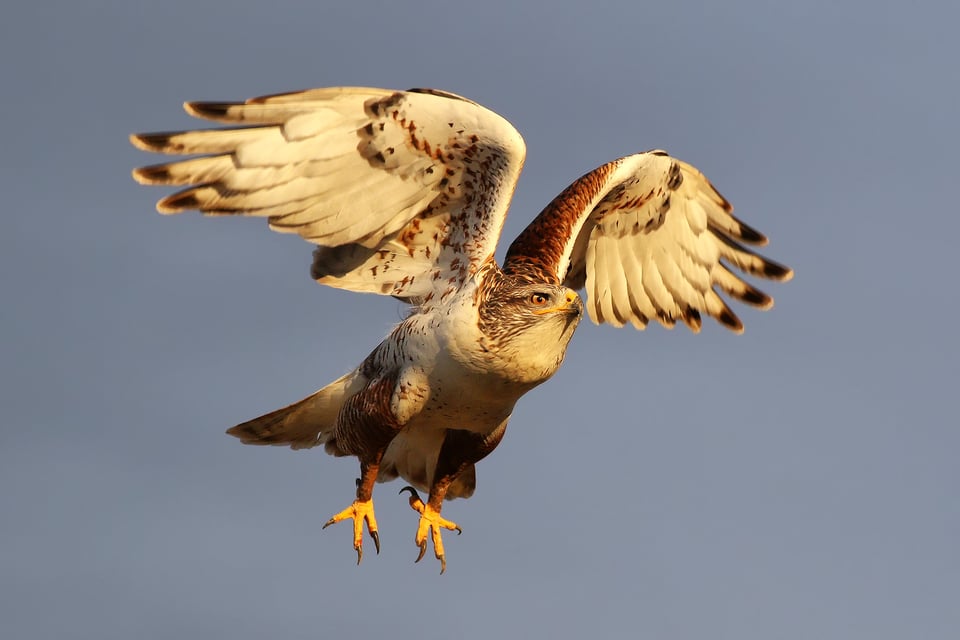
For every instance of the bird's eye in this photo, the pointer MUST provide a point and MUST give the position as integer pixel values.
(539, 299)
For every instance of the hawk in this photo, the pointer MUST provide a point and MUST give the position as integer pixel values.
(404, 193)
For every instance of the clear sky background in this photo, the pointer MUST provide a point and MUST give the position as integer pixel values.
(799, 481)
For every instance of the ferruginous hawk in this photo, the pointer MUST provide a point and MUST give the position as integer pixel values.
(405, 193)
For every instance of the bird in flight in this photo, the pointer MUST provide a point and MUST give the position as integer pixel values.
(404, 193)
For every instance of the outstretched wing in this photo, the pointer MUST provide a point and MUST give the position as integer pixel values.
(650, 238)
(405, 192)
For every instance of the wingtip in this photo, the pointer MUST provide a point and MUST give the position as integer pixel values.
(693, 320)
(145, 141)
(751, 236)
(153, 174)
(755, 297)
(154, 142)
(729, 319)
(208, 110)
(137, 177)
(777, 271)
(178, 202)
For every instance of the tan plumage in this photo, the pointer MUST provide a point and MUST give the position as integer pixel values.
(405, 194)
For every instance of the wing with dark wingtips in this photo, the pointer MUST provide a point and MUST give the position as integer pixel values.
(404, 192)
(650, 239)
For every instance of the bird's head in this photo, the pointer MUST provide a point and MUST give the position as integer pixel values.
(529, 325)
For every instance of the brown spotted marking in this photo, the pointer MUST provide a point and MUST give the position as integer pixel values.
(674, 177)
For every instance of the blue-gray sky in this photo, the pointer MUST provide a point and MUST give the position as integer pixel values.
(799, 481)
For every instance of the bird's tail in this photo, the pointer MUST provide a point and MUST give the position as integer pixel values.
(304, 424)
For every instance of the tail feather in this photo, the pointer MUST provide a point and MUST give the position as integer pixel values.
(304, 424)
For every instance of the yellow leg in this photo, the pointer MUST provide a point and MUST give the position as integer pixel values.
(432, 523)
(360, 511)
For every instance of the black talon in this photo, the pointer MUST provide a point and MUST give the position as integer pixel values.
(376, 540)
(413, 492)
(423, 550)
(329, 522)
(359, 555)
(443, 564)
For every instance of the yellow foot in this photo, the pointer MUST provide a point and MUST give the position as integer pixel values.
(430, 521)
(360, 511)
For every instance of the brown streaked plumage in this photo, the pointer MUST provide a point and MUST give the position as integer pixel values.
(405, 194)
